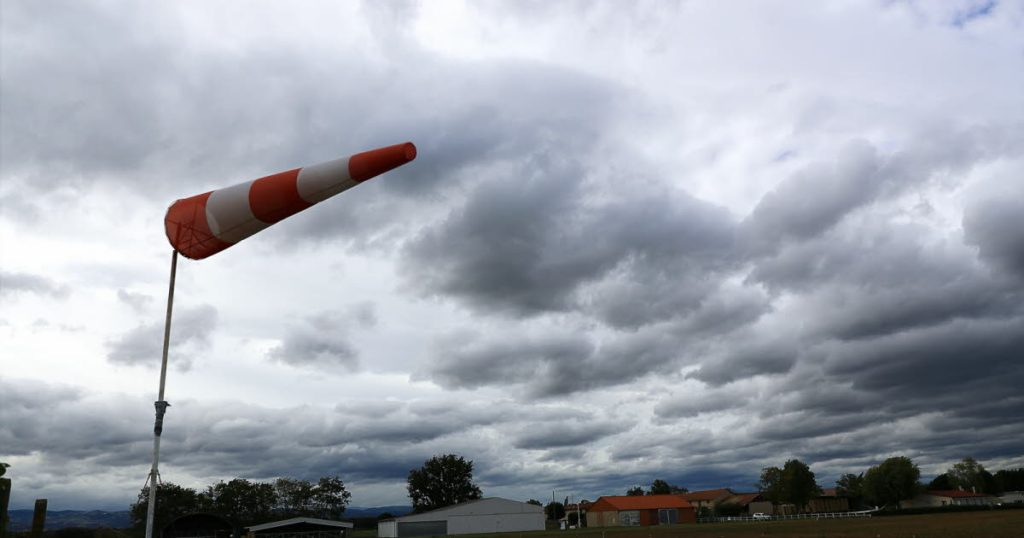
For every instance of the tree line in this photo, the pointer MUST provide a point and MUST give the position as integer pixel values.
(244, 502)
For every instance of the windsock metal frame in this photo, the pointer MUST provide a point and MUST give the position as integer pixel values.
(203, 225)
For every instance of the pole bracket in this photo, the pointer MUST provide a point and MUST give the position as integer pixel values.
(161, 408)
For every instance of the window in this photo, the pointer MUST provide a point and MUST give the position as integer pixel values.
(668, 516)
(629, 518)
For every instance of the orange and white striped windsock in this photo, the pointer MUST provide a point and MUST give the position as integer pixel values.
(208, 223)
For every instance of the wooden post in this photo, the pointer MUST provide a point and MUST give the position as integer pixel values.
(38, 519)
(5, 498)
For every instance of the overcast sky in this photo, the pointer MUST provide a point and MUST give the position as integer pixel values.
(677, 240)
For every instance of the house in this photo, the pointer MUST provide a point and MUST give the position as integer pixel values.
(749, 503)
(300, 527)
(709, 498)
(640, 510)
(1012, 497)
(829, 501)
(482, 516)
(930, 499)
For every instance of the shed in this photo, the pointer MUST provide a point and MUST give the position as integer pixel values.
(482, 516)
(300, 527)
(640, 510)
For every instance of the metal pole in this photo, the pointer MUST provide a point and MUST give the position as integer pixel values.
(160, 404)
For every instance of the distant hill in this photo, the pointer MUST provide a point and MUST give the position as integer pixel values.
(21, 520)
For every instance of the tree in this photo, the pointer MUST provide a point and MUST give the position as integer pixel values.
(534, 502)
(798, 484)
(941, 483)
(172, 501)
(793, 483)
(661, 487)
(1010, 479)
(294, 498)
(330, 498)
(851, 486)
(972, 476)
(894, 480)
(442, 481)
(555, 510)
(241, 501)
(770, 484)
(635, 491)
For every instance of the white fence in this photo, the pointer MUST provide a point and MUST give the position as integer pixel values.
(822, 515)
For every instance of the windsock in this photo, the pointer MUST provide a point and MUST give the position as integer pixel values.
(205, 224)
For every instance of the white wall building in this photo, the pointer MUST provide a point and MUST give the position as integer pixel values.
(482, 516)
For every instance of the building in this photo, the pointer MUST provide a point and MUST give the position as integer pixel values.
(1012, 497)
(482, 516)
(300, 527)
(749, 503)
(640, 510)
(829, 501)
(932, 499)
(708, 498)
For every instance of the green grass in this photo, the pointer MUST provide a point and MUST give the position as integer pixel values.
(994, 524)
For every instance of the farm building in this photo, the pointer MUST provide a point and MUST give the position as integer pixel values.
(482, 516)
(640, 510)
(708, 498)
(300, 527)
(930, 499)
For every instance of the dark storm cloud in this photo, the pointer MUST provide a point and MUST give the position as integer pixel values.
(523, 244)
(324, 339)
(566, 434)
(15, 283)
(996, 227)
(691, 405)
(748, 360)
(191, 330)
(560, 363)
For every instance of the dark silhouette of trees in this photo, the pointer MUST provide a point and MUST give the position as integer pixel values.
(554, 510)
(661, 487)
(172, 501)
(972, 476)
(635, 491)
(794, 483)
(851, 486)
(442, 481)
(894, 480)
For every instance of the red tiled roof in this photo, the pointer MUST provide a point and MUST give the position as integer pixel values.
(638, 502)
(955, 493)
(743, 499)
(706, 495)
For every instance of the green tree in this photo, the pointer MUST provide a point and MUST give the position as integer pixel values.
(294, 498)
(972, 476)
(635, 491)
(941, 483)
(894, 480)
(534, 502)
(1010, 479)
(770, 484)
(172, 501)
(554, 510)
(442, 481)
(851, 486)
(798, 484)
(330, 498)
(661, 487)
(241, 501)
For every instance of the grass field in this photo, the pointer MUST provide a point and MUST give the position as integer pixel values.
(996, 524)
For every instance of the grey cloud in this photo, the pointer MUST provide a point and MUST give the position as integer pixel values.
(567, 434)
(996, 227)
(698, 402)
(12, 284)
(751, 359)
(323, 339)
(526, 246)
(191, 329)
(137, 301)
